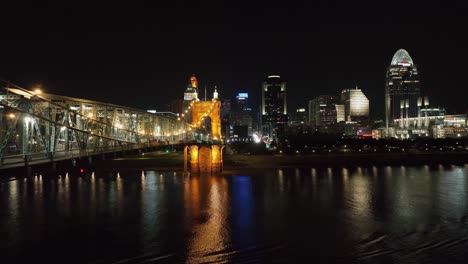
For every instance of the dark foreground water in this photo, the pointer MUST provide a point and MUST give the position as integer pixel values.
(359, 215)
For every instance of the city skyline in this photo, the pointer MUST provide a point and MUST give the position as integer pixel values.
(318, 49)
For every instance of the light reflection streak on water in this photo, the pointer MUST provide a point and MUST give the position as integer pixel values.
(330, 183)
(452, 193)
(345, 174)
(12, 207)
(297, 173)
(243, 208)
(403, 171)
(119, 194)
(64, 193)
(212, 234)
(357, 194)
(152, 209)
(313, 173)
(281, 181)
(143, 180)
(161, 182)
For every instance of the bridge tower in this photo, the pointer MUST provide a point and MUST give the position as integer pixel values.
(211, 109)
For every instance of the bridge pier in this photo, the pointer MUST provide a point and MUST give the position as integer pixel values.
(204, 159)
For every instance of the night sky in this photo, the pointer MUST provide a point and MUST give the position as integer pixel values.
(135, 54)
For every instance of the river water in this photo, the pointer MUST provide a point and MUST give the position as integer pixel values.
(330, 215)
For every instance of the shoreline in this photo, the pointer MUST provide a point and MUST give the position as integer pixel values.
(246, 161)
(236, 163)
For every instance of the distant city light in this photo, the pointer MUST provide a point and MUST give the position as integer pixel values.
(242, 95)
(256, 138)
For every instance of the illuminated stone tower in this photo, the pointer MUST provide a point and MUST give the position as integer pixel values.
(211, 109)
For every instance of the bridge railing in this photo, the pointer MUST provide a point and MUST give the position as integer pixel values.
(41, 157)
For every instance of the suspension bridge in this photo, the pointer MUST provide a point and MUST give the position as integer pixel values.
(38, 128)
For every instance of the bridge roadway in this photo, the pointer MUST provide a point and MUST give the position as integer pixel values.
(17, 161)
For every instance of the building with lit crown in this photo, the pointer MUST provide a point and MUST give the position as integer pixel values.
(402, 88)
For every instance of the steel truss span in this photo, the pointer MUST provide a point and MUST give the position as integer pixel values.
(47, 126)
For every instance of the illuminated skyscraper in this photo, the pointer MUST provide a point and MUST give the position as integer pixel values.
(241, 116)
(402, 88)
(274, 108)
(356, 106)
(242, 101)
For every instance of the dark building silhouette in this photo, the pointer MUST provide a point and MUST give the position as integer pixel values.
(274, 107)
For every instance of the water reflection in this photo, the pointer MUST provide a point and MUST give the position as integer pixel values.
(209, 231)
(366, 214)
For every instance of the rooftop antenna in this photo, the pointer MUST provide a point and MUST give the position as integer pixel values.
(205, 92)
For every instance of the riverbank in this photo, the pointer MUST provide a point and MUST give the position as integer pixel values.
(174, 160)
(343, 160)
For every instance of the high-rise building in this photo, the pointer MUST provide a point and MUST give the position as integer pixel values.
(300, 116)
(242, 101)
(323, 113)
(402, 88)
(274, 108)
(241, 117)
(191, 92)
(225, 117)
(340, 113)
(356, 106)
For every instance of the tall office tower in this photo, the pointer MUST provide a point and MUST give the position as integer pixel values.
(225, 117)
(323, 113)
(401, 85)
(241, 116)
(242, 101)
(274, 108)
(356, 106)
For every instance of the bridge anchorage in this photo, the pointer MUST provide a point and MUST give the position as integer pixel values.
(38, 128)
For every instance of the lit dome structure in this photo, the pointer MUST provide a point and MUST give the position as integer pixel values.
(401, 57)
